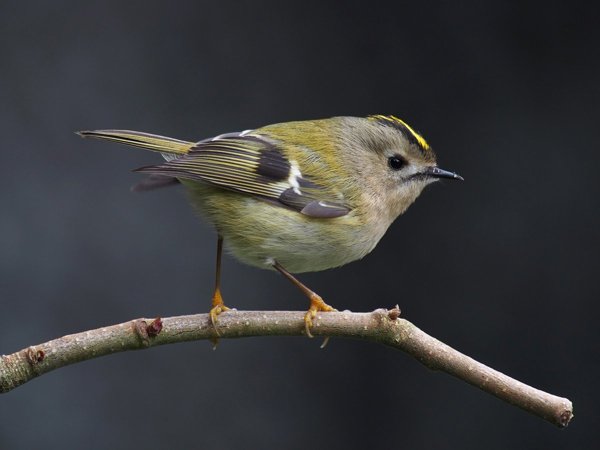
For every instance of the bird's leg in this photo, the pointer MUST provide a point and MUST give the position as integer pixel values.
(217, 301)
(316, 302)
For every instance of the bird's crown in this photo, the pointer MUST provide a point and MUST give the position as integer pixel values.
(410, 134)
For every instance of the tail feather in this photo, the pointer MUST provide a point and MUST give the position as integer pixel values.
(144, 140)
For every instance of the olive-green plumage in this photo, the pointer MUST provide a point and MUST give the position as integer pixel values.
(296, 196)
(310, 195)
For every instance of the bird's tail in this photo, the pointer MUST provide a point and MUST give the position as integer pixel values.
(172, 147)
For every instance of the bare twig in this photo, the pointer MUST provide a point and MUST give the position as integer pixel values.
(382, 326)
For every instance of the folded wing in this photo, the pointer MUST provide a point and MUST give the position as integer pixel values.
(252, 164)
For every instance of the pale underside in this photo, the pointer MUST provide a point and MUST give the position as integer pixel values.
(258, 233)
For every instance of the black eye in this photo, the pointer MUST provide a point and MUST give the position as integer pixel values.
(396, 162)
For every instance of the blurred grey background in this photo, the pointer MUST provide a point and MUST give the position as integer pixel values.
(502, 267)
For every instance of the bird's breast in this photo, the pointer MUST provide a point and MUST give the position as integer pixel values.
(257, 232)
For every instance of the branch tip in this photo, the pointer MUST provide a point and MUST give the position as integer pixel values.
(565, 418)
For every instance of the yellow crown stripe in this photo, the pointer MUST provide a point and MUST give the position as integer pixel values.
(422, 142)
(397, 121)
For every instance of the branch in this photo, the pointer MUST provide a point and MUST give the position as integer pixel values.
(381, 326)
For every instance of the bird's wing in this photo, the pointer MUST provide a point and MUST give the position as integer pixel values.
(252, 164)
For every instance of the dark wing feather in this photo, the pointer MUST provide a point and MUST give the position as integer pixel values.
(253, 165)
(152, 182)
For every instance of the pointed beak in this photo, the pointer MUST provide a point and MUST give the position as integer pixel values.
(436, 172)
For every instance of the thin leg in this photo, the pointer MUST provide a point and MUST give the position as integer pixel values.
(316, 302)
(218, 270)
(217, 301)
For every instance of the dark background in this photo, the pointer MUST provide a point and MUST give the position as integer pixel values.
(502, 267)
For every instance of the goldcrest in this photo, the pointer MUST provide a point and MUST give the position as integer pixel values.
(298, 196)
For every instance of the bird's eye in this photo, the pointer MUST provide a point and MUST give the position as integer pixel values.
(396, 162)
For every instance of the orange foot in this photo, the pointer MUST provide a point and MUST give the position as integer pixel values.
(316, 304)
(217, 308)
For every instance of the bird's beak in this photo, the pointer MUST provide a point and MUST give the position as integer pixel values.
(436, 172)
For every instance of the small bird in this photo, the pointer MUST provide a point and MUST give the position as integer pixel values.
(298, 196)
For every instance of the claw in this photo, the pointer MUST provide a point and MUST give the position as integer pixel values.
(316, 304)
(218, 308)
